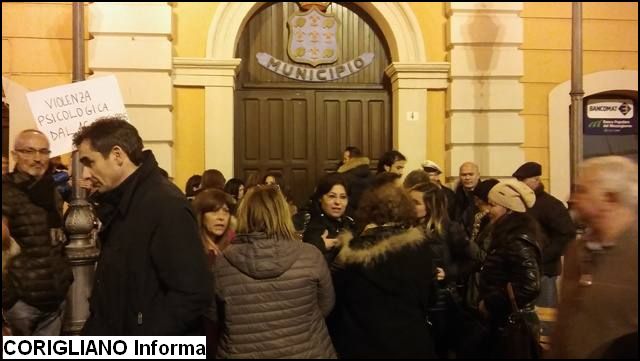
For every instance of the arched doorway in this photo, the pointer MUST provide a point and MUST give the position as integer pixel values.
(410, 73)
(299, 128)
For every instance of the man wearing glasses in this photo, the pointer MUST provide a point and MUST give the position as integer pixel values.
(40, 276)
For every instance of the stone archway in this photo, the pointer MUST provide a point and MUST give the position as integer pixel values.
(410, 73)
(396, 20)
(559, 139)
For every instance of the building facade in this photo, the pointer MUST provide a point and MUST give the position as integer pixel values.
(451, 82)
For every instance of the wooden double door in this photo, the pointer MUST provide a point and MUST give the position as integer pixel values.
(303, 133)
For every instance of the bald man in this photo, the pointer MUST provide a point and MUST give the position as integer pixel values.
(465, 208)
(40, 276)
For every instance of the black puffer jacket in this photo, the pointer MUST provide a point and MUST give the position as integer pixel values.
(40, 275)
(514, 256)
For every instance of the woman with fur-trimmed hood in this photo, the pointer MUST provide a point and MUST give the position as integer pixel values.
(382, 282)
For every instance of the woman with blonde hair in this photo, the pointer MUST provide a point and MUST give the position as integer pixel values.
(273, 291)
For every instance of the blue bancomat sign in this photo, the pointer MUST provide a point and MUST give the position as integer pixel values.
(612, 116)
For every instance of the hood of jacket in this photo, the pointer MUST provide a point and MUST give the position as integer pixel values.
(262, 257)
(385, 256)
(354, 163)
(374, 245)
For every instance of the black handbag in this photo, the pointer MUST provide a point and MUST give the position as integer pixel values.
(517, 339)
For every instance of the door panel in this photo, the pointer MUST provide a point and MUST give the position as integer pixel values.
(302, 133)
(274, 131)
(361, 119)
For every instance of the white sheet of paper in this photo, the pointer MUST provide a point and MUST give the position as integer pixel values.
(60, 111)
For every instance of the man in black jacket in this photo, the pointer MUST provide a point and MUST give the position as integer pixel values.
(558, 230)
(465, 208)
(40, 276)
(357, 174)
(152, 276)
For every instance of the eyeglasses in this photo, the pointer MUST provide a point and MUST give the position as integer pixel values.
(30, 152)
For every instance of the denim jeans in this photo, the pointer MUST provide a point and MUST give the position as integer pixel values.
(26, 320)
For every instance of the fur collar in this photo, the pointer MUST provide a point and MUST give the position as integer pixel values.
(367, 256)
(353, 163)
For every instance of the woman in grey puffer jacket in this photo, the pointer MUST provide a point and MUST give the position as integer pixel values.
(273, 291)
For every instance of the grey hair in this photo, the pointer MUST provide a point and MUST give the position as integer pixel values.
(619, 177)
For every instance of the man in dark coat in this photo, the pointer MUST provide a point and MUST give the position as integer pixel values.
(558, 230)
(465, 208)
(152, 276)
(358, 176)
(40, 276)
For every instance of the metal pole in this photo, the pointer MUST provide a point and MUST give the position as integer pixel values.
(78, 41)
(79, 219)
(577, 93)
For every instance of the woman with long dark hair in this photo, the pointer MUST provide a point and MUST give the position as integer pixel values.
(448, 242)
(214, 209)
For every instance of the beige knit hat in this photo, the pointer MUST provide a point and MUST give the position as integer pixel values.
(513, 195)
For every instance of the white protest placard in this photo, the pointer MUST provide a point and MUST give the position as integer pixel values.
(60, 111)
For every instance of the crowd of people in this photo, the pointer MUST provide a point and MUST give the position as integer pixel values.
(372, 266)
